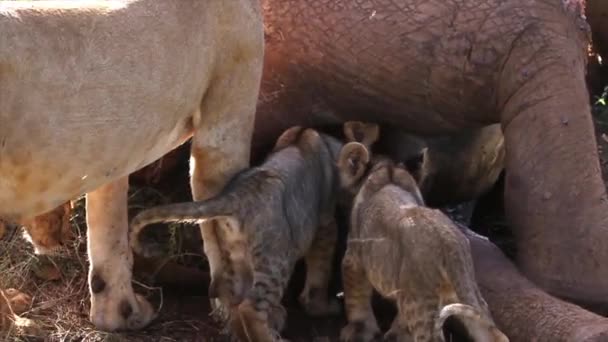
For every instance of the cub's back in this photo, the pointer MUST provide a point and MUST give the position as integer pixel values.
(408, 247)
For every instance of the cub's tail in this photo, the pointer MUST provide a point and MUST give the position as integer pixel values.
(479, 327)
(193, 212)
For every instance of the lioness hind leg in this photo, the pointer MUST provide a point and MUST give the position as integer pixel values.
(362, 325)
(114, 305)
(314, 296)
(222, 139)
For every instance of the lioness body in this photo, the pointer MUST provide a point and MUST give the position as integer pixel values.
(91, 91)
(68, 64)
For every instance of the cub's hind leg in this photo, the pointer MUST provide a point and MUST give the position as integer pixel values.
(223, 128)
(398, 331)
(232, 283)
(319, 260)
(418, 316)
(260, 317)
(362, 325)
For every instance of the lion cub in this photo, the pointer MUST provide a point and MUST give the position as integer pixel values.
(409, 253)
(270, 216)
(51, 231)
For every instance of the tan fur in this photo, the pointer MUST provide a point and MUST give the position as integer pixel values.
(50, 231)
(91, 91)
(410, 254)
(269, 217)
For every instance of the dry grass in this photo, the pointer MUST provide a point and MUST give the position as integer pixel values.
(600, 113)
(60, 307)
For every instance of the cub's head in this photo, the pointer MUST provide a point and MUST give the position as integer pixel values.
(308, 140)
(363, 132)
(49, 232)
(362, 174)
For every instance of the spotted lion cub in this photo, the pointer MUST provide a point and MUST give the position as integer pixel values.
(409, 253)
(270, 216)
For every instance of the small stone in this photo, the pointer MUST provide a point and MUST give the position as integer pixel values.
(547, 195)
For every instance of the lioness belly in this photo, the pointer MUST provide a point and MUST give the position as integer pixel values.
(36, 175)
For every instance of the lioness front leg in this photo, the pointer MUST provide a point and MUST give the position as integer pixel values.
(114, 305)
(319, 260)
(362, 325)
(222, 141)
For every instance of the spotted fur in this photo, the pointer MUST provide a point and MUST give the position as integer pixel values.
(410, 254)
(269, 217)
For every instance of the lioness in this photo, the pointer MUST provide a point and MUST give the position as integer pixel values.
(409, 253)
(91, 91)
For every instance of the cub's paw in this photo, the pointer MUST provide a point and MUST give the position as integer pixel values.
(277, 316)
(394, 335)
(250, 324)
(360, 331)
(220, 312)
(316, 303)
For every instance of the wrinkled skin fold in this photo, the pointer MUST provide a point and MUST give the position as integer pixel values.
(437, 67)
(509, 295)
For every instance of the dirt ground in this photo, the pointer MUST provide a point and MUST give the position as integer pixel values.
(58, 285)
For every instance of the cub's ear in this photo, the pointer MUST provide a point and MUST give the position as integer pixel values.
(416, 164)
(288, 137)
(365, 133)
(352, 163)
